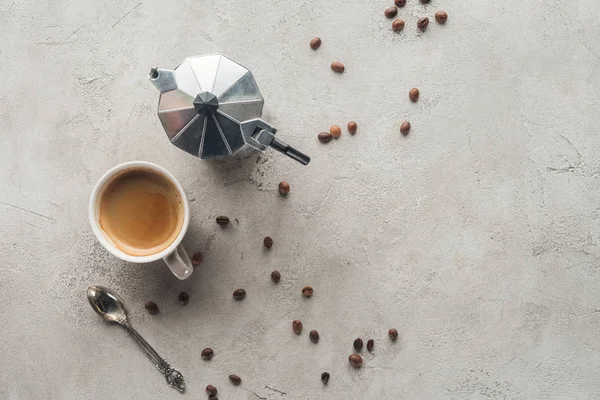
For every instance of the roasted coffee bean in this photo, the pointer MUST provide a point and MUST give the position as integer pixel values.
(184, 298)
(239, 294)
(352, 127)
(197, 258)
(236, 380)
(275, 276)
(400, 3)
(358, 344)
(335, 131)
(405, 128)
(370, 344)
(441, 17)
(391, 12)
(268, 242)
(393, 334)
(325, 378)
(315, 43)
(338, 67)
(325, 137)
(307, 291)
(297, 326)
(151, 307)
(413, 95)
(211, 390)
(397, 25)
(313, 336)
(222, 220)
(423, 23)
(284, 188)
(355, 360)
(207, 354)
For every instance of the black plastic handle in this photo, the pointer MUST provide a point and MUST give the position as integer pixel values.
(290, 151)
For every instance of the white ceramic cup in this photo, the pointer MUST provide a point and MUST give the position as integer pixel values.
(175, 255)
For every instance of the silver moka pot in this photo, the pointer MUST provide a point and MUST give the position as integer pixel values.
(210, 107)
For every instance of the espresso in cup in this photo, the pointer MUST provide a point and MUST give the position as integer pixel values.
(141, 211)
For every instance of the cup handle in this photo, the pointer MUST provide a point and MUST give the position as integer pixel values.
(179, 263)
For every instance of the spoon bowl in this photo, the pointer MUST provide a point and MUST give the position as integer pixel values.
(107, 304)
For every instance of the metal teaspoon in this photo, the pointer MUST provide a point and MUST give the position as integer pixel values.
(110, 306)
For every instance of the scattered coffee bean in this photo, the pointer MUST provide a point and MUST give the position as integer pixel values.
(338, 67)
(151, 307)
(405, 128)
(397, 25)
(393, 334)
(275, 276)
(355, 360)
(441, 17)
(315, 43)
(236, 380)
(313, 336)
(400, 3)
(284, 188)
(423, 23)
(358, 344)
(222, 220)
(297, 326)
(335, 131)
(413, 95)
(325, 137)
(184, 298)
(268, 242)
(391, 12)
(352, 127)
(211, 390)
(370, 344)
(239, 294)
(307, 291)
(325, 378)
(197, 258)
(207, 354)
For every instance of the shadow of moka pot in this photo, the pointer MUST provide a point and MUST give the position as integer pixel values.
(211, 107)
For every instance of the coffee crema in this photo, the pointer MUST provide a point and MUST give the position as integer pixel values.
(141, 211)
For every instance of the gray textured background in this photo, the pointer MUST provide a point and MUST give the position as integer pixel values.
(476, 236)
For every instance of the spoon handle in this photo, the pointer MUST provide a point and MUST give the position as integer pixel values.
(173, 377)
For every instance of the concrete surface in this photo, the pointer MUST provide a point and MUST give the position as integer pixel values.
(476, 236)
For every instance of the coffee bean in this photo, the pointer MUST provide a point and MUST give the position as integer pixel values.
(355, 360)
(370, 344)
(325, 378)
(236, 380)
(184, 298)
(413, 95)
(423, 23)
(197, 258)
(313, 336)
(207, 354)
(325, 137)
(400, 3)
(284, 188)
(239, 294)
(222, 220)
(315, 43)
(211, 390)
(352, 127)
(338, 67)
(268, 242)
(397, 25)
(297, 326)
(335, 131)
(151, 307)
(441, 17)
(405, 128)
(275, 276)
(391, 12)
(393, 334)
(307, 291)
(358, 344)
